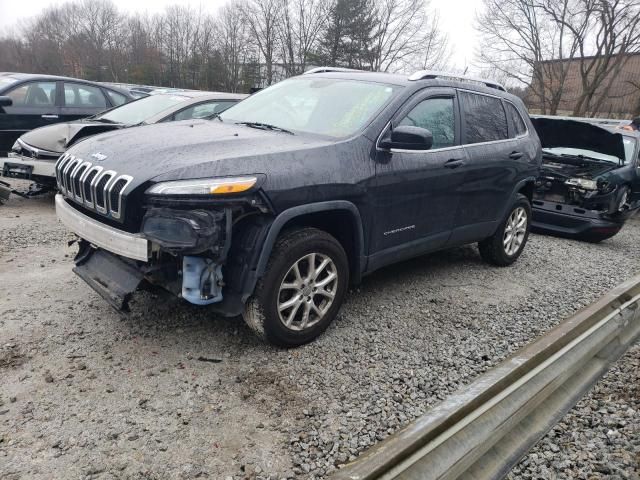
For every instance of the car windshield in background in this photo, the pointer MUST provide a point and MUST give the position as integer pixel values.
(140, 110)
(6, 81)
(332, 107)
(629, 148)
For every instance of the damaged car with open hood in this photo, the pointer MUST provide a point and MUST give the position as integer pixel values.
(590, 180)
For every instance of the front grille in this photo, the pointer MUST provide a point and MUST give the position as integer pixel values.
(92, 186)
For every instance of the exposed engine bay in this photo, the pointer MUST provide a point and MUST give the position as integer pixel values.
(579, 182)
(583, 165)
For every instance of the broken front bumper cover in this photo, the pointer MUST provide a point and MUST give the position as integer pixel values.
(571, 220)
(112, 277)
(121, 243)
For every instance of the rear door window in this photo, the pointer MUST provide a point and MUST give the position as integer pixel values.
(484, 118)
(83, 96)
(517, 123)
(34, 94)
(436, 115)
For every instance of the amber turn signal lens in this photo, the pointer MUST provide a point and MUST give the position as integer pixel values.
(235, 187)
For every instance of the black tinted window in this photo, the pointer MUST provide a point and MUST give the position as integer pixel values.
(485, 120)
(519, 128)
(436, 115)
(34, 94)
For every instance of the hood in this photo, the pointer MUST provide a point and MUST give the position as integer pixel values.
(576, 134)
(190, 149)
(58, 137)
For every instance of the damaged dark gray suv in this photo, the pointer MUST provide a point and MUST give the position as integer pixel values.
(274, 207)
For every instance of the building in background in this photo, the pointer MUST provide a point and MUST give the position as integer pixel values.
(558, 87)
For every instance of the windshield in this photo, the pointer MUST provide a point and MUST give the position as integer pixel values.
(5, 81)
(629, 148)
(331, 107)
(140, 110)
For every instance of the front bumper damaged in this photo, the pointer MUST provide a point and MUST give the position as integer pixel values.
(188, 264)
(571, 220)
(117, 241)
(114, 278)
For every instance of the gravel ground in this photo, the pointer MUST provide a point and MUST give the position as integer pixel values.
(599, 437)
(171, 391)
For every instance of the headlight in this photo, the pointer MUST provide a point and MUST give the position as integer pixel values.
(206, 186)
(582, 183)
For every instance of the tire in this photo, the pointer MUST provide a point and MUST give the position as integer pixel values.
(310, 311)
(497, 249)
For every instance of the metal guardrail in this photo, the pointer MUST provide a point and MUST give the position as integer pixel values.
(484, 429)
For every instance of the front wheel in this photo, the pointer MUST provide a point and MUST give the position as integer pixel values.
(302, 290)
(506, 244)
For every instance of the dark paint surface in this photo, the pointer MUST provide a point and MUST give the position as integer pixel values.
(17, 120)
(576, 134)
(391, 190)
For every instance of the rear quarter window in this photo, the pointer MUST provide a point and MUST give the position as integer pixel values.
(519, 127)
(484, 118)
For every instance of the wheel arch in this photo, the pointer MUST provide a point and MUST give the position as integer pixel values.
(524, 187)
(332, 217)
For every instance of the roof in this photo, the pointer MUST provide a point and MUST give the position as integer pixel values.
(405, 81)
(36, 76)
(199, 94)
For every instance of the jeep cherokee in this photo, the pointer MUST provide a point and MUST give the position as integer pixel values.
(274, 207)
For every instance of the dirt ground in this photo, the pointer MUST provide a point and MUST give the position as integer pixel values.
(172, 391)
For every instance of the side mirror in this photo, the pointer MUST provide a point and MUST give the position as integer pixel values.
(406, 137)
(6, 101)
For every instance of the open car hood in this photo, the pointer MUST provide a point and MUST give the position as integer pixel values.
(58, 137)
(576, 134)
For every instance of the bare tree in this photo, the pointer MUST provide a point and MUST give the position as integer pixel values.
(263, 17)
(407, 36)
(232, 32)
(609, 34)
(300, 27)
(520, 37)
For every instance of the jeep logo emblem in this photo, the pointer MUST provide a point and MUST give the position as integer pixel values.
(99, 156)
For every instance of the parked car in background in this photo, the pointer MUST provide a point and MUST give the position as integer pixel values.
(34, 154)
(29, 101)
(272, 209)
(139, 91)
(589, 183)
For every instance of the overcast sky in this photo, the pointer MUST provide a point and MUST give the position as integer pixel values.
(457, 18)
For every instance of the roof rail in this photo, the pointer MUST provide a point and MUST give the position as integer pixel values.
(430, 75)
(331, 69)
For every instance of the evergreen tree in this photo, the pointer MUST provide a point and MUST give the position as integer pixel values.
(348, 39)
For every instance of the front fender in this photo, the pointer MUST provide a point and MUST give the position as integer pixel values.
(290, 214)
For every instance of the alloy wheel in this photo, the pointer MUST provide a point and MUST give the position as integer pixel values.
(307, 291)
(515, 231)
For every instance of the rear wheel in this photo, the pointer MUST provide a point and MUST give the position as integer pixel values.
(506, 244)
(302, 290)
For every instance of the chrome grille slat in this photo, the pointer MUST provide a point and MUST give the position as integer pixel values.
(91, 185)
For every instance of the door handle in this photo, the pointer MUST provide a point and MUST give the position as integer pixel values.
(515, 155)
(454, 163)
(49, 115)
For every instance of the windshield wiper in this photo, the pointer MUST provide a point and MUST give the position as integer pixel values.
(102, 120)
(265, 126)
